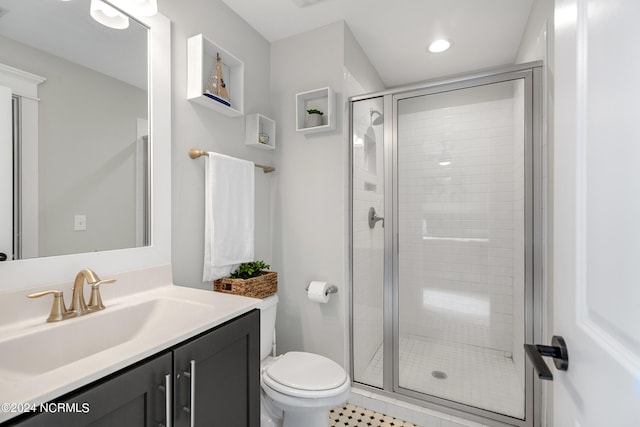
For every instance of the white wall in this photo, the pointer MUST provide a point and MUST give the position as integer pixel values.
(195, 126)
(311, 204)
(301, 208)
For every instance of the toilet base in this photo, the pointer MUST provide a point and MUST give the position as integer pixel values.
(306, 418)
(270, 415)
(280, 410)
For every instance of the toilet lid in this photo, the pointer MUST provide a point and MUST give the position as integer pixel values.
(307, 371)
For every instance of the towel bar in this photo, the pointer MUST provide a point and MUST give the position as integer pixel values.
(194, 154)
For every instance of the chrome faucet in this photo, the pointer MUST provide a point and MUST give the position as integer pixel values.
(78, 306)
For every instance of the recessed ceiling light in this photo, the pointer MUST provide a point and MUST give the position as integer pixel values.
(439, 46)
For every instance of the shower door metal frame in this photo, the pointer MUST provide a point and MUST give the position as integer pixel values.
(531, 74)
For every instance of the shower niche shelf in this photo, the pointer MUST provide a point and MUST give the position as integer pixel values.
(260, 132)
(201, 61)
(323, 99)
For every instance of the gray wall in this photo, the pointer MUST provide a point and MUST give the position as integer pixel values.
(83, 115)
(301, 208)
(195, 126)
(311, 228)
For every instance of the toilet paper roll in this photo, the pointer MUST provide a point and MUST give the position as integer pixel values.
(318, 292)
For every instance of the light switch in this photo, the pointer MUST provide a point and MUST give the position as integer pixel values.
(79, 222)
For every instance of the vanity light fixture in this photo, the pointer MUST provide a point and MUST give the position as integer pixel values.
(108, 15)
(138, 7)
(439, 46)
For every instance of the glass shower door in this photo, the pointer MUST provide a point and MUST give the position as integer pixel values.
(461, 169)
(367, 241)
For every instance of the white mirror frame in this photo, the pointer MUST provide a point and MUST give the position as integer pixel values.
(28, 273)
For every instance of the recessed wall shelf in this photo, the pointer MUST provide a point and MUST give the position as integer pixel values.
(201, 61)
(323, 99)
(260, 132)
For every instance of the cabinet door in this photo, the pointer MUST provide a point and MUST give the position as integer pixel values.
(133, 398)
(221, 386)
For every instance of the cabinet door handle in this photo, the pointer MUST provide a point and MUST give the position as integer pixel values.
(166, 388)
(191, 410)
(168, 396)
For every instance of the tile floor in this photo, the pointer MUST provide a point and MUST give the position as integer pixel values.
(482, 378)
(353, 416)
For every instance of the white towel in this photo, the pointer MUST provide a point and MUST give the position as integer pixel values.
(229, 202)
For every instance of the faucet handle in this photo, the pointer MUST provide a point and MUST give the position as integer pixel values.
(58, 309)
(95, 300)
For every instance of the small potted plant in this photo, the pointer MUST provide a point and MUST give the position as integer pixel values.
(250, 279)
(314, 118)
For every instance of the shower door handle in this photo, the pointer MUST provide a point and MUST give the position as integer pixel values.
(373, 218)
(557, 350)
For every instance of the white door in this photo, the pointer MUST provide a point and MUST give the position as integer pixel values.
(6, 174)
(596, 237)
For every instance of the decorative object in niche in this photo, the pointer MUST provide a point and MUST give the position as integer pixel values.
(217, 88)
(324, 100)
(314, 118)
(202, 65)
(260, 132)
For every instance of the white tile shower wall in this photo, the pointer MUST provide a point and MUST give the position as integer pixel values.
(457, 222)
(368, 244)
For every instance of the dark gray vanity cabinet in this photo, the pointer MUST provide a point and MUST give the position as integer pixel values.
(214, 378)
(217, 376)
(134, 397)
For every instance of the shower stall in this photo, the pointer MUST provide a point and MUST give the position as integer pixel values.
(445, 243)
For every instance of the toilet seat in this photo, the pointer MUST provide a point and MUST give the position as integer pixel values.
(307, 375)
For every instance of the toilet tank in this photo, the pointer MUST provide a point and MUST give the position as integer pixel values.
(268, 308)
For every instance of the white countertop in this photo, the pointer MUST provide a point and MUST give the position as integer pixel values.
(159, 316)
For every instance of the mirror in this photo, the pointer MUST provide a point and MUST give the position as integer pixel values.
(34, 272)
(79, 146)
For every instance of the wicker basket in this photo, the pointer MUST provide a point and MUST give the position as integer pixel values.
(255, 287)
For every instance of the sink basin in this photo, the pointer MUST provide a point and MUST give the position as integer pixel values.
(145, 315)
(52, 346)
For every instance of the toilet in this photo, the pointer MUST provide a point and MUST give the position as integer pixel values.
(298, 388)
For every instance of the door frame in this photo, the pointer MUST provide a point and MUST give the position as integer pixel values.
(24, 85)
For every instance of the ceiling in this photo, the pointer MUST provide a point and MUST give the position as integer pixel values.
(395, 34)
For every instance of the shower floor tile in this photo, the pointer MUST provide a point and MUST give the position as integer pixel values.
(350, 415)
(484, 379)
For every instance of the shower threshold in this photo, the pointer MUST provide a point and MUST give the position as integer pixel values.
(482, 378)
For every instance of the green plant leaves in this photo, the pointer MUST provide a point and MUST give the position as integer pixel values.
(247, 270)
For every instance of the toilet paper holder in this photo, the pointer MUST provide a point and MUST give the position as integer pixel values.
(332, 289)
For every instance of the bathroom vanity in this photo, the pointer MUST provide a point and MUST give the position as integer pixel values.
(156, 355)
(226, 380)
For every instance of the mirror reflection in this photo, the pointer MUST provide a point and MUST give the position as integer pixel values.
(73, 131)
